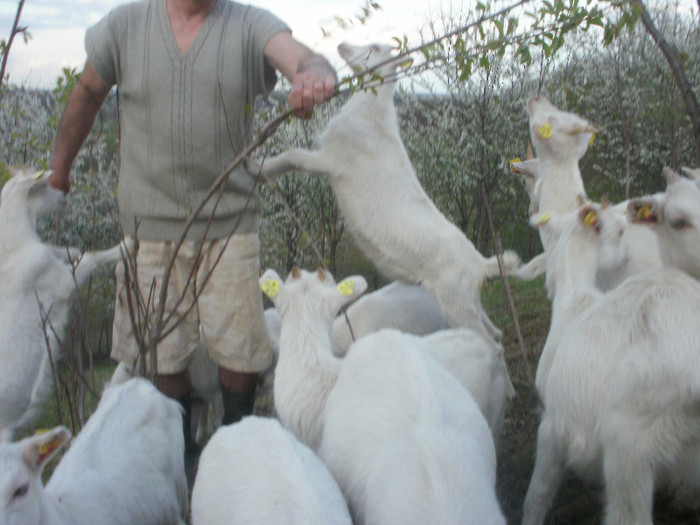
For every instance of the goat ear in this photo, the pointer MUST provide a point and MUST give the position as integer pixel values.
(41, 176)
(581, 200)
(540, 220)
(644, 211)
(352, 287)
(39, 449)
(270, 283)
(544, 131)
(588, 216)
(515, 166)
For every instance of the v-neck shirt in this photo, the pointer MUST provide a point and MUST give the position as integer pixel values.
(185, 116)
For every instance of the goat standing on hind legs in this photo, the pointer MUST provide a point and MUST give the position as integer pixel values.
(37, 285)
(388, 212)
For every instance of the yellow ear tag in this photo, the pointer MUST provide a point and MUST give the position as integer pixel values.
(590, 219)
(48, 448)
(545, 131)
(271, 288)
(406, 63)
(644, 212)
(346, 288)
(544, 218)
(514, 170)
(38, 174)
(590, 142)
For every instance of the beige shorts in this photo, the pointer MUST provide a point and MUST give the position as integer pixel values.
(225, 304)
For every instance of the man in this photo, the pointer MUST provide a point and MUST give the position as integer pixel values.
(188, 72)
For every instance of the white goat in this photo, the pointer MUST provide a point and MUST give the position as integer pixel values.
(568, 289)
(560, 139)
(388, 212)
(555, 185)
(420, 417)
(405, 307)
(256, 472)
(125, 466)
(38, 282)
(622, 392)
(675, 217)
(405, 441)
(306, 368)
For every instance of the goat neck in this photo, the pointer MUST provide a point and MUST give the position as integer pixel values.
(306, 371)
(17, 224)
(571, 275)
(375, 105)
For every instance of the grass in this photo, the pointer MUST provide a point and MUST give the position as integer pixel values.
(59, 408)
(577, 503)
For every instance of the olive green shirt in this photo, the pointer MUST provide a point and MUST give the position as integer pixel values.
(184, 118)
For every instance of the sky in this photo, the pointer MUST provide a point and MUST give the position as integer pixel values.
(58, 29)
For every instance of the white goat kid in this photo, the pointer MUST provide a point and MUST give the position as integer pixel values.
(125, 467)
(306, 368)
(38, 282)
(622, 391)
(256, 472)
(388, 212)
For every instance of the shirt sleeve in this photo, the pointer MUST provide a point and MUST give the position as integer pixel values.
(262, 26)
(102, 44)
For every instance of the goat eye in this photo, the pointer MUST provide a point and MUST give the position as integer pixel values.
(679, 224)
(21, 491)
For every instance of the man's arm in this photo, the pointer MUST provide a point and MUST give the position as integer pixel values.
(76, 122)
(313, 78)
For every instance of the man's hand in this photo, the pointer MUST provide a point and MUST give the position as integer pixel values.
(60, 181)
(311, 85)
(313, 78)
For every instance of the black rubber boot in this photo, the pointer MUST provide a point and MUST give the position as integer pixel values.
(186, 403)
(192, 451)
(237, 405)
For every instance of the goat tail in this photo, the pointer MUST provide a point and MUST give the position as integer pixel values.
(509, 260)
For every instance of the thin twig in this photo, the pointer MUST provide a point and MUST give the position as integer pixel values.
(512, 311)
